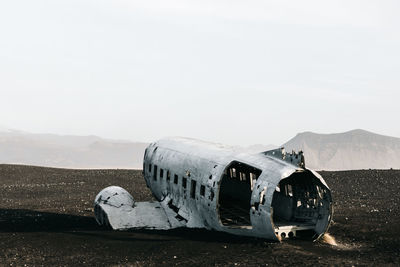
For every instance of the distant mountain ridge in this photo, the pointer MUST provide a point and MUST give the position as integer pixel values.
(68, 151)
(81, 152)
(356, 149)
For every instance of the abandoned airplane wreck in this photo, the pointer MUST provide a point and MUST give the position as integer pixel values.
(198, 184)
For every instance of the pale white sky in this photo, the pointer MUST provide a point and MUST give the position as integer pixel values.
(236, 72)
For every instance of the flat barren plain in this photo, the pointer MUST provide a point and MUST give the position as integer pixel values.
(46, 218)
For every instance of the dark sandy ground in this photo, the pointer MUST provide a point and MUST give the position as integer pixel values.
(46, 218)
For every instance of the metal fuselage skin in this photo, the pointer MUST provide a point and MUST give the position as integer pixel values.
(187, 175)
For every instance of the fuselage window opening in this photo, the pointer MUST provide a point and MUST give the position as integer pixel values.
(149, 168)
(168, 175)
(253, 178)
(175, 179)
(232, 173)
(184, 181)
(202, 190)
(193, 189)
(161, 173)
(243, 176)
(155, 173)
(288, 190)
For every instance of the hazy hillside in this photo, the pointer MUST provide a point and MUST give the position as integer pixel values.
(357, 149)
(68, 151)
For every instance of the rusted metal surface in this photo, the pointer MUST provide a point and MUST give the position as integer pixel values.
(204, 185)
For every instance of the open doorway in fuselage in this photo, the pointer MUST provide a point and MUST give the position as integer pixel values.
(235, 194)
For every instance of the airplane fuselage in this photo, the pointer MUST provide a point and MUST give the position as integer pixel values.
(203, 185)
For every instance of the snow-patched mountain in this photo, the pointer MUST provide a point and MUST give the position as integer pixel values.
(356, 149)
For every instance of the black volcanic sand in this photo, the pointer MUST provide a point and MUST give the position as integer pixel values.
(46, 218)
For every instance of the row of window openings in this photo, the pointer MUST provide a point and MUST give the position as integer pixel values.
(242, 176)
(193, 183)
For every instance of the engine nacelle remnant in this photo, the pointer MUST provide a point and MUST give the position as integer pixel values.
(198, 184)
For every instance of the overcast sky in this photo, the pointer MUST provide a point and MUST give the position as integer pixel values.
(236, 72)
